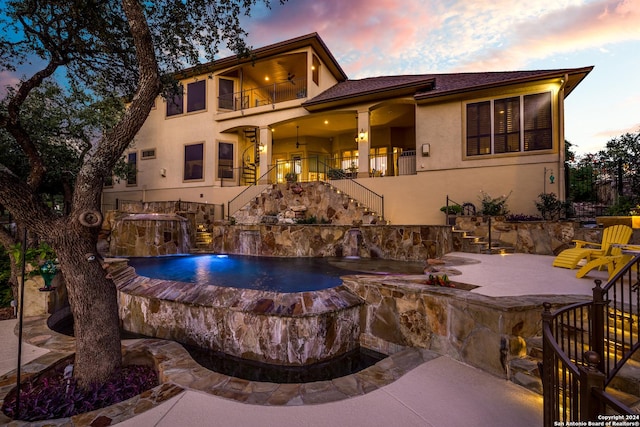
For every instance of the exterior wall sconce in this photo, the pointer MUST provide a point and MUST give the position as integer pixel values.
(426, 150)
(262, 148)
(163, 172)
(362, 135)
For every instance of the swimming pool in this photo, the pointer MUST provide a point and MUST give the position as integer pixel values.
(247, 272)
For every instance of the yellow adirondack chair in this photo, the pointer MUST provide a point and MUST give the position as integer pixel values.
(614, 235)
(614, 263)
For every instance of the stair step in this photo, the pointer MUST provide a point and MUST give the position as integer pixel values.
(628, 378)
(524, 371)
(630, 400)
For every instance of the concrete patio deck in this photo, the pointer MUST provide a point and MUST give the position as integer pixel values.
(438, 392)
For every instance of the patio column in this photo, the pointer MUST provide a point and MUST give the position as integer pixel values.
(364, 136)
(266, 151)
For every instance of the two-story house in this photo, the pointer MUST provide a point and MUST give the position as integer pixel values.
(290, 112)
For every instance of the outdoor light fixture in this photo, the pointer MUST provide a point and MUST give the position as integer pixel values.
(362, 134)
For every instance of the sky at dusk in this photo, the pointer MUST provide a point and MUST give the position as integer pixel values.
(389, 37)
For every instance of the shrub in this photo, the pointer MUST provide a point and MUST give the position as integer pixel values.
(452, 209)
(51, 395)
(550, 207)
(493, 206)
(522, 217)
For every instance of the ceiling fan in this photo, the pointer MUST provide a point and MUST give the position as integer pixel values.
(290, 77)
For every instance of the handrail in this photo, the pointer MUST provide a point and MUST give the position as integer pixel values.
(620, 302)
(250, 192)
(373, 201)
(597, 337)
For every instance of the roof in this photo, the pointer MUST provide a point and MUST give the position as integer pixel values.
(312, 39)
(429, 86)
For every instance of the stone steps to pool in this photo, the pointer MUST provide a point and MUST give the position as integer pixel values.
(625, 386)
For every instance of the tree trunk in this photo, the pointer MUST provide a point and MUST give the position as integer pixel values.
(93, 300)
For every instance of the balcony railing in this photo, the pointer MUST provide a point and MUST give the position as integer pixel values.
(264, 95)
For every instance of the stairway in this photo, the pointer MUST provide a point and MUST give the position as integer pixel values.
(625, 386)
(466, 241)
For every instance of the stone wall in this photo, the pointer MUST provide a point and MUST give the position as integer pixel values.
(484, 332)
(407, 243)
(532, 237)
(280, 328)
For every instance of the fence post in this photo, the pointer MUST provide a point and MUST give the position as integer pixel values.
(590, 378)
(547, 369)
(598, 325)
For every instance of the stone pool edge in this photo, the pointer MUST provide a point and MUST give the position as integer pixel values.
(178, 372)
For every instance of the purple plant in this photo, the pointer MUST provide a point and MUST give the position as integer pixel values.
(51, 396)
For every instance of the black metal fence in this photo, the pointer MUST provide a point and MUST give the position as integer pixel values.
(585, 345)
(595, 189)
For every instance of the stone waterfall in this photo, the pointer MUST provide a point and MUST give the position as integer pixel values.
(147, 234)
(352, 243)
(249, 242)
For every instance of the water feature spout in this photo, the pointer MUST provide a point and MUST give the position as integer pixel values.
(352, 243)
(249, 243)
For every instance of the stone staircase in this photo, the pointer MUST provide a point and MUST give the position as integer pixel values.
(291, 203)
(625, 386)
(468, 241)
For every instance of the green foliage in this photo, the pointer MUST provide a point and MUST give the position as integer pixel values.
(435, 280)
(5, 273)
(550, 207)
(452, 209)
(313, 220)
(623, 207)
(494, 206)
(33, 256)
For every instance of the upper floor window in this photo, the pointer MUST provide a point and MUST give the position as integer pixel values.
(508, 125)
(175, 104)
(315, 69)
(225, 94)
(196, 96)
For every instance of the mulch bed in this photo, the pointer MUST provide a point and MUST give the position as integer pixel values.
(6, 313)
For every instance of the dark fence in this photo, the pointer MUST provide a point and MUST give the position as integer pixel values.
(595, 188)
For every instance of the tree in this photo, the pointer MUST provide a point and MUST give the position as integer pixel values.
(108, 49)
(62, 125)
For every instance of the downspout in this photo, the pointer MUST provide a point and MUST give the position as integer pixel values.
(562, 148)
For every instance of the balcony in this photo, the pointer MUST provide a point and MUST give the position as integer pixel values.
(274, 93)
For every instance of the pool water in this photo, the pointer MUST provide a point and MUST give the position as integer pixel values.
(246, 272)
(340, 366)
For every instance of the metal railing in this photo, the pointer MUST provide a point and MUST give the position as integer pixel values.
(251, 192)
(372, 201)
(315, 170)
(264, 95)
(586, 344)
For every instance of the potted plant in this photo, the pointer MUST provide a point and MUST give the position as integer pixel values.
(291, 177)
(452, 211)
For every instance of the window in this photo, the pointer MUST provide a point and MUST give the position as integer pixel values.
(225, 94)
(193, 162)
(315, 69)
(510, 125)
(175, 104)
(537, 122)
(196, 99)
(196, 96)
(132, 169)
(225, 160)
(108, 181)
(378, 161)
(148, 154)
